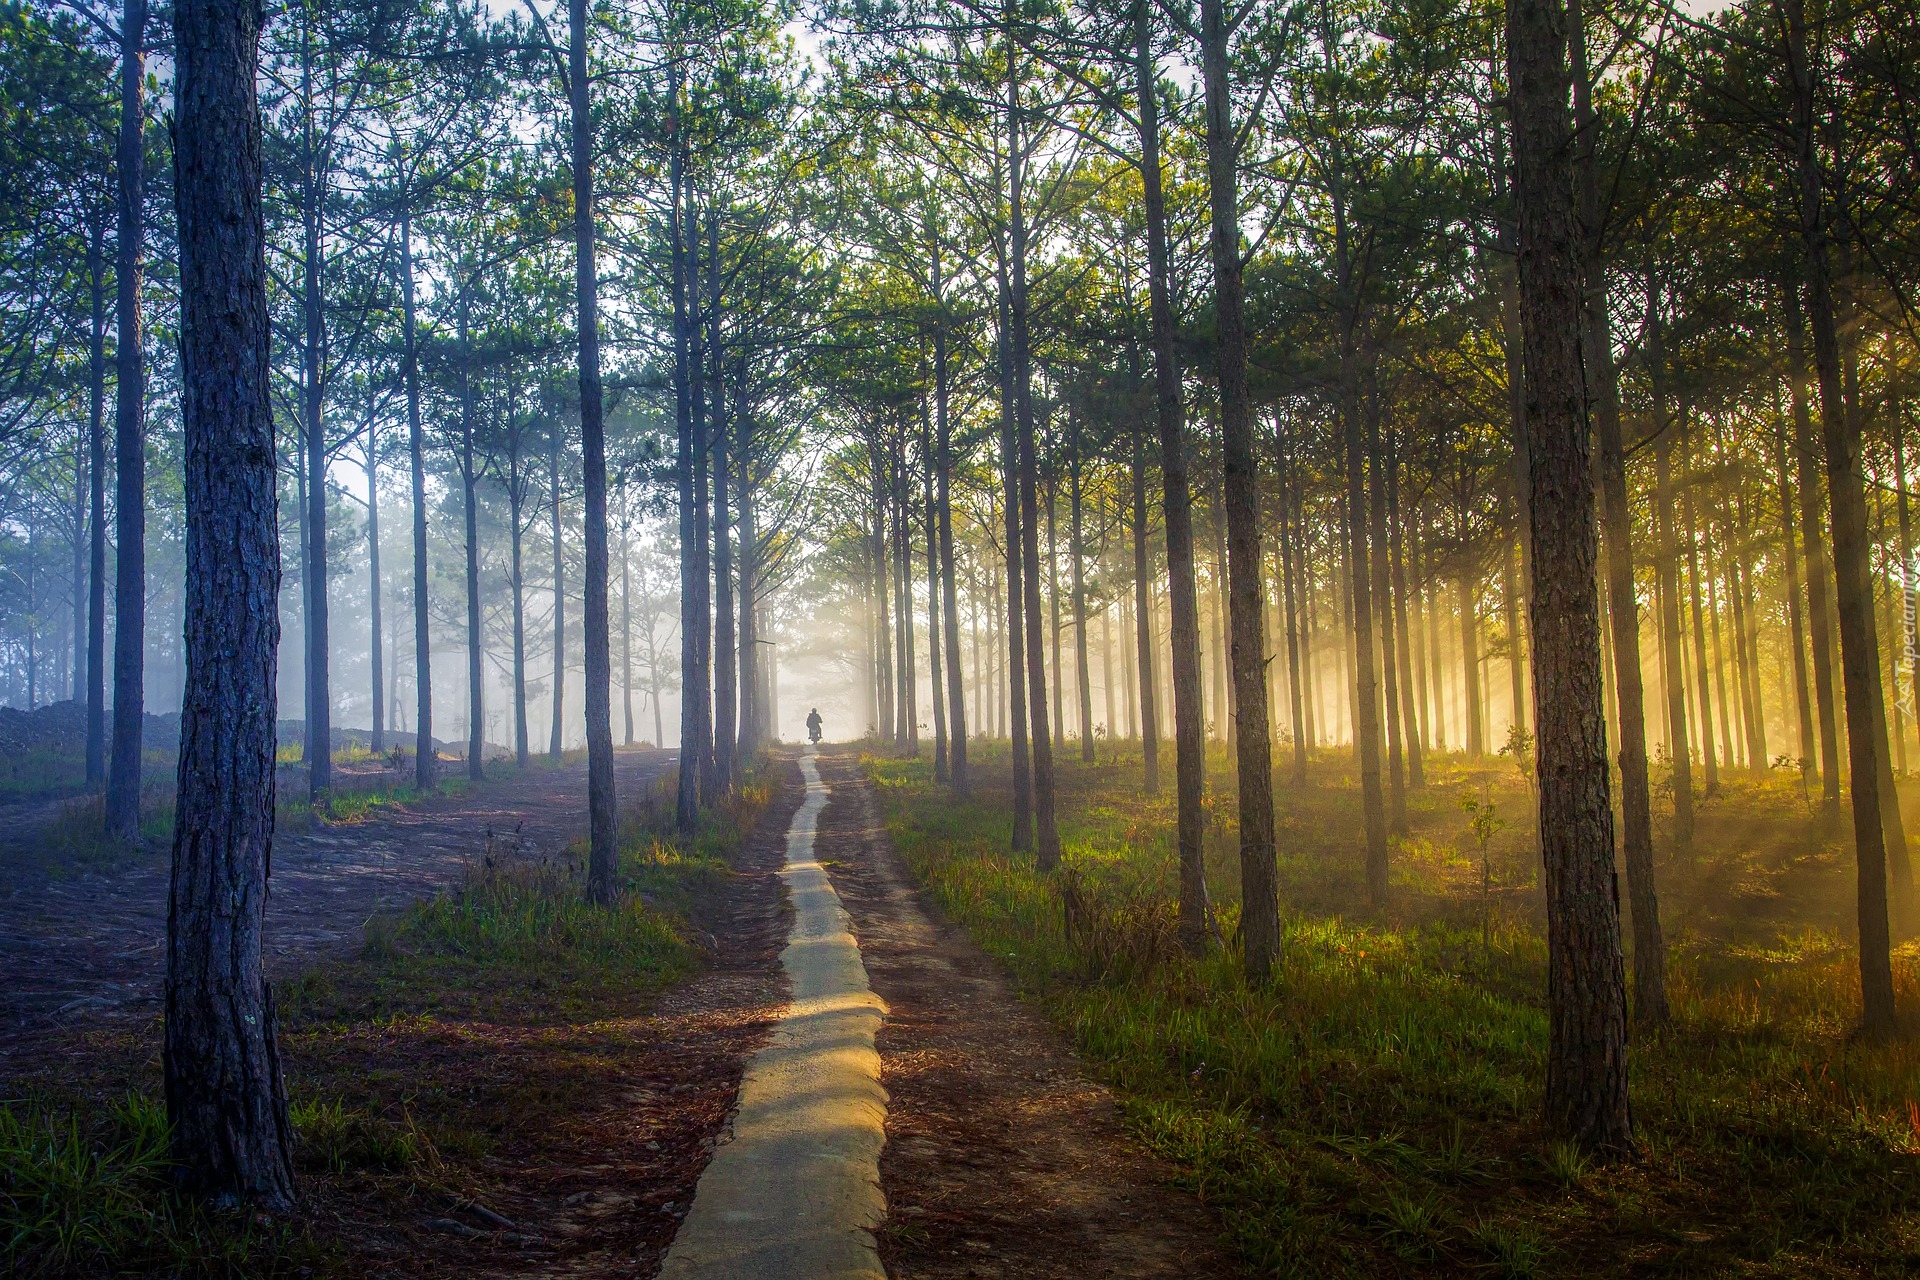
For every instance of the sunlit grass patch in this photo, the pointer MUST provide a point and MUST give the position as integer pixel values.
(1376, 1110)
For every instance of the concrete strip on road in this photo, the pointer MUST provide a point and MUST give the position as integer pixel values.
(793, 1191)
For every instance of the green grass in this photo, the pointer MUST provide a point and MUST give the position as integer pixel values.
(38, 771)
(486, 1019)
(1376, 1110)
(88, 1195)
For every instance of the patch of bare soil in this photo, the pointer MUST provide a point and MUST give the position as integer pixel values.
(88, 950)
(592, 1135)
(1003, 1159)
(563, 1143)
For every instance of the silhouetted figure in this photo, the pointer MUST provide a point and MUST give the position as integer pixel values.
(813, 725)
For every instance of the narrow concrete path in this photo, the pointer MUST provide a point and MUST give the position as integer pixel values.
(793, 1192)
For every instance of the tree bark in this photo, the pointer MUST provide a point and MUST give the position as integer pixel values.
(1040, 740)
(130, 422)
(1636, 803)
(423, 748)
(936, 685)
(1383, 595)
(517, 582)
(1145, 701)
(555, 739)
(1260, 903)
(1859, 649)
(1015, 648)
(1819, 567)
(687, 800)
(1289, 516)
(943, 430)
(603, 817)
(319, 745)
(1667, 576)
(1366, 729)
(1703, 694)
(1082, 665)
(626, 628)
(1587, 1051)
(1176, 504)
(378, 679)
(1409, 698)
(1803, 701)
(725, 720)
(95, 666)
(469, 485)
(231, 1140)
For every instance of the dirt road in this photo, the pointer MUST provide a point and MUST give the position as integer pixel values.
(1002, 1157)
(91, 946)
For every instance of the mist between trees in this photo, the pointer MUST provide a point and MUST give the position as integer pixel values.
(1393, 379)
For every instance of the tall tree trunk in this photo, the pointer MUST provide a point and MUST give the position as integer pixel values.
(423, 748)
(319, 748)
(1623, 605)
(1409, 697)
(754, 702)
(516, 568)
(884, 670)
(1176, 503)
(725, 721)
(1289, 517)
(1053, 619)
(903, 596)
(956, 689)
(517, 572)
(1013, 645)
(1217, 654)
(1587, 1006)
(379, 665)
(1510, 593)
(1907, 643)
(1470, 665)
(935, 686)
(1703, 695)
(1359, 599)
(1047, 835)
(556, 740)
(1259, 894)
(1383, 597)
(1667, 576)
(1859, 655)
(1819, 567)
(130, 417)
(469, 488)
(97, 520)
(1144, 682)
(687, 799)
(696, 697)
(1083, 673)
(230, 1137)
(603, 817)
(626, 628)
(1803, 701)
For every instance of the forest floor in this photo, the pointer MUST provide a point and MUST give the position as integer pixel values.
(83, 927)
(499, 1081)
(1376, 1109)
(1004, 1158)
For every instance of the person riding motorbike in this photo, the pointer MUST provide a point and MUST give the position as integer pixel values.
(813, 725)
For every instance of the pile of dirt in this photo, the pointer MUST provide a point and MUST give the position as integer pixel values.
(62, 727)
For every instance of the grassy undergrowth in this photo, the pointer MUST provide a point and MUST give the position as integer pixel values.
(1376, 1111)
(467, 1026)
